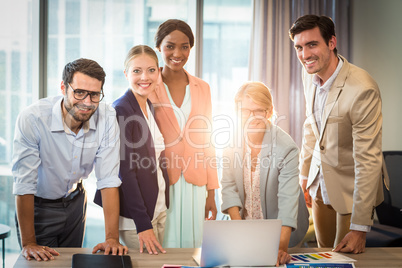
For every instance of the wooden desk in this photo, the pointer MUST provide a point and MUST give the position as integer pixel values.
(373, 257)
(181, 256)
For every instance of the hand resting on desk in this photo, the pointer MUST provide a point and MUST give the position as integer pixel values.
(353, 242)
(111, 246)
(148, 239)
(39, 253)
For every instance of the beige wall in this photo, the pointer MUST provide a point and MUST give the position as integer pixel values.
(377, 47)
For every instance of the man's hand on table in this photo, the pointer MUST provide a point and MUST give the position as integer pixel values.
(111, 246)
(353, 242)
(39, 253)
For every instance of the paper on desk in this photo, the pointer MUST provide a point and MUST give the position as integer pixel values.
(321, 265)
(320, 257)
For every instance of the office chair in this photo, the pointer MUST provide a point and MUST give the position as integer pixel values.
(388, 232)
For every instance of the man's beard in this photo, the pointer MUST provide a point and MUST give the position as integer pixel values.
(72, 110)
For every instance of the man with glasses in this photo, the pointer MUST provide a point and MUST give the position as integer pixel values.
(58, 142)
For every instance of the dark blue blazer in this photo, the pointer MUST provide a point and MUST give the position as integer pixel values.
(139, 188)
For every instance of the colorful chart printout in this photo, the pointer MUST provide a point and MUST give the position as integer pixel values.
(320, 257)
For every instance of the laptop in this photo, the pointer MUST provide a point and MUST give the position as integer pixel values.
(239, 243)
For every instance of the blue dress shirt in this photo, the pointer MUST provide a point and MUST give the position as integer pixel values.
(49, 159)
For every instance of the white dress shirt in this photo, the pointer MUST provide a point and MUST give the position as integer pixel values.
(49, 159)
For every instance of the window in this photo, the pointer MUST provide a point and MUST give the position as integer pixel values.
(17, 91)
(103, 31)
(225, 50)
(226, 44)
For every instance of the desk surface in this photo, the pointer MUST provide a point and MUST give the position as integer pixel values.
(373, 257)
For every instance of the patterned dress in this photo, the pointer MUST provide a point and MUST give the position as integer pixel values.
(252, 198)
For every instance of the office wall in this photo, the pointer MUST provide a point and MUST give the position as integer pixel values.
(377, 47)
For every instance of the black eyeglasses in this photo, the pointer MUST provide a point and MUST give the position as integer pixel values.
(258, 112)
(81, 94)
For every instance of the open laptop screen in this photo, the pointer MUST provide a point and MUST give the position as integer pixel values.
(240, 243)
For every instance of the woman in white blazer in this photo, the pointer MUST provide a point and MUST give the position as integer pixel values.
(260, 180)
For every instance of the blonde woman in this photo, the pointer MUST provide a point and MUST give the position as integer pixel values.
(144, 192)
(265, 184)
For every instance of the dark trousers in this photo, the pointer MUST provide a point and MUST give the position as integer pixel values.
(60, 224)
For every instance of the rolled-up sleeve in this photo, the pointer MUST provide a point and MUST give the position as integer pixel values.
(107, 160)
